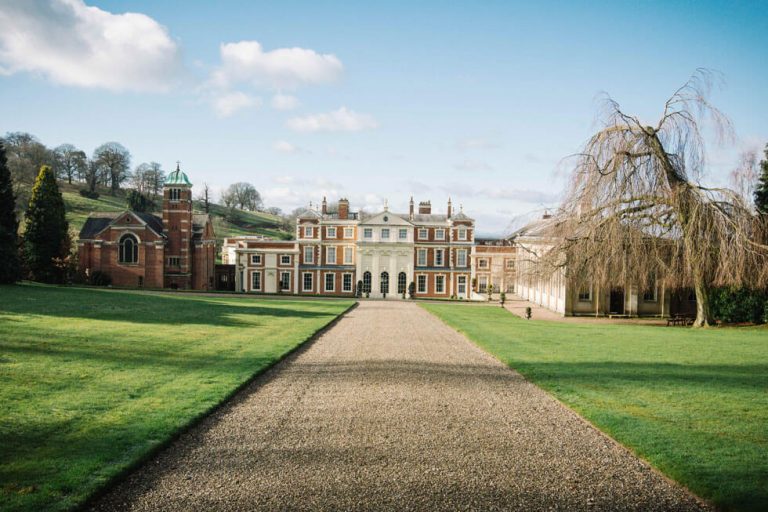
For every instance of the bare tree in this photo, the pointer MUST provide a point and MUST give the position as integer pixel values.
(243, 195)
(69, 162)
(116, 161)
(636, 212)
(92, 174)
(205, 198)
(743, 179)
(155, 178)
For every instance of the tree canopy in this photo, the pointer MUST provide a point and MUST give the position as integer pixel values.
(10, 268)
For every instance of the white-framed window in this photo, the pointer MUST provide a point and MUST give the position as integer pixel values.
(385, 233)
(482, 284)
(285, 259)
(285, 281)
(439, 262)
(308, 232)
(421, 283)
(330, 255)
(309, 254)
(330, 282)
(128, 249)
(256, 259)
(439, 234)
(421, 257)
(439, 284)
(368, 233)
(482, 263)
(174, 194)
(462, 233)
(510, 264)
(346, 283)
(330, 232)
(256, 281)
(585, 294)
(349, 233)
(402, 234)
(461, 258)
(423, 233)
(348, 255)
(174, 261)
(306, 282)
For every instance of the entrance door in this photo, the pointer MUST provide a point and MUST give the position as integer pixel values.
(384, 283)
(617, 301)
(270, 281)
(462, 287)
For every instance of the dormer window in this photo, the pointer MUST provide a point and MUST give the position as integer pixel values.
(174, 194)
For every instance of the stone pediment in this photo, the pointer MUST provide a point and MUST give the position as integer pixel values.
(386, 219)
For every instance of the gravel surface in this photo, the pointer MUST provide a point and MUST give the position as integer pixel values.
(392, 410)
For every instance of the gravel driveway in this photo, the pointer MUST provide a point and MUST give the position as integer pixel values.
(393, 410)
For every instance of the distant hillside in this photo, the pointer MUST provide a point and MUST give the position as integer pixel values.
(238, 222)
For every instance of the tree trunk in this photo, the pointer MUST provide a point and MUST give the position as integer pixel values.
(703, 312)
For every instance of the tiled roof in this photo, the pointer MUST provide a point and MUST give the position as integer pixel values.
(98, 221)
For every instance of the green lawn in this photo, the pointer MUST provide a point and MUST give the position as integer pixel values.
(694, 403)
(93, 380)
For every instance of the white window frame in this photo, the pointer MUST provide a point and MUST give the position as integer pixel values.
(439, 234)
(333, 282)
(344, 287)
(482, 263)
(402, 234)
(418, 283)
(280, 284)
(174, 195)
(368, 233)
(462, 233)
(419, 253)
(304, 281)
(459, 254)
(330, 232)
(330, 251)
(385, 233)
(437, 278)
(256, 259)
(309, 250)
(423, 234)
(283, 257)
(349, 233)
(349, 251)
(261, 284)
(308, 231)
(441, 252)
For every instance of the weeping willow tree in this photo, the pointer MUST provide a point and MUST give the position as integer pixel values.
(636, 212)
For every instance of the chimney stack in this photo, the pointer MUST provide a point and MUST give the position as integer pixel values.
(410, 209)
(425, 207)
(449, 208)
(324, 209)
(343, 209)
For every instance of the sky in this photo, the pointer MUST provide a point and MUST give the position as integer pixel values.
(478, 101)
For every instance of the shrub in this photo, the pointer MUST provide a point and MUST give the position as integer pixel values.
(412, 289)
(99, 278)
(735, 305)
(502, 298)
(89, 194)
(359, 291)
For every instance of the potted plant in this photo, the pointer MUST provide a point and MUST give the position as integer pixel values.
(528, 313)
(502, 298)
(412, 289)
(490, 291)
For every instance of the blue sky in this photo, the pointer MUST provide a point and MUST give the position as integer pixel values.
(479, 101)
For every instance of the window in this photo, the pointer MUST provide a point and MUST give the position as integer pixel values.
(401, 283)
(256, 281)
(368, 233)
(462, 233)
(366, 282)
(423, 235)
(440, 234)
(421, 284)
(482, 263)
(421, 259)
(285, 259)
(439, 258)
(510, 264)
(346, 283)
(439, 284)
(330, 282)
(256, 259)
(330, 232)
(330, 255)
(349, 232)
(461, 258)
(651, 295)
(129, 249)
(309, 254)
(174, 194)
(348, 255)
(384, 282)
(174, 261)
(308, 232)
(307, 282)
(402, 234)
(385, 234)
(482, 283)
(585, 294)
(285, 280)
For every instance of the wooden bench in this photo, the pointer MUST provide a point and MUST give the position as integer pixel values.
(683, 320)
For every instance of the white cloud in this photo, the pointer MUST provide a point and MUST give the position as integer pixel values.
(284, 102)
(227, 104)
(341, 120)
(284, 146)
(282, 68)
(73, 44)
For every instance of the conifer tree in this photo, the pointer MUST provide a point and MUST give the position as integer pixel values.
(10, 269)
(761, 191)
(46, 237)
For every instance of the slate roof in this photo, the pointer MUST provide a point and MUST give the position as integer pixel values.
(98, 221)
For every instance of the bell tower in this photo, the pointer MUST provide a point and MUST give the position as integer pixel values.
(177, 228)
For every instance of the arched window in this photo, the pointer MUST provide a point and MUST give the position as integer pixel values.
(366, 282)
(129, 249)
(384, 282)
(401, 278)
